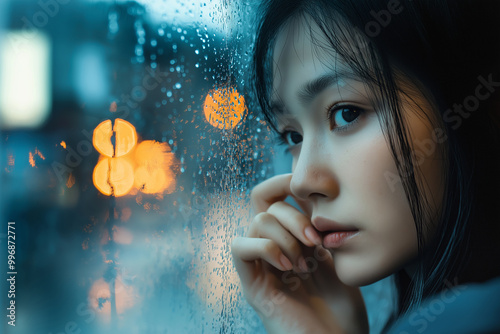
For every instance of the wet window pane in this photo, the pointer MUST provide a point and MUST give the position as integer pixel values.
(129, 142)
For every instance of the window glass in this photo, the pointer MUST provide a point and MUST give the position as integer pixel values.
(128, 148)
(129, 140)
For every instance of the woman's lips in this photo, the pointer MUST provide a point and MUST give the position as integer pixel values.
(334, 234)
(337, 239)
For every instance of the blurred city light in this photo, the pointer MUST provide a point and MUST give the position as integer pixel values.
(224, 108)
(125, 164)
(25, 85)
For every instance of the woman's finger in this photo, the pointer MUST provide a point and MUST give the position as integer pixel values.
(247, 251)
(275, 189)
(267, 226)
(295, 222)
(272, 190)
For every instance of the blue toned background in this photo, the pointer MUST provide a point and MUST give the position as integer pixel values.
(141, 262)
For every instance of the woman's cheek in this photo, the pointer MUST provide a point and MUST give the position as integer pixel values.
(381, 209)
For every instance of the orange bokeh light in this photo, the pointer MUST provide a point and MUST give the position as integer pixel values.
(125, 138)
(114, 176)
(153, 153)
(147, 165)
(153, 174)
(224, 108)
(102, 138)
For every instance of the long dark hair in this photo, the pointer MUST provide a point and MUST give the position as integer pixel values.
(450, 50)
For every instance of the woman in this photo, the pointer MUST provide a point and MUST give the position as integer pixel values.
(390, 110)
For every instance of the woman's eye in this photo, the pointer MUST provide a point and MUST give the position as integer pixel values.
(344, 116)
(291, 138)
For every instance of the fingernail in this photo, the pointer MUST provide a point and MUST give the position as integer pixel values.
(285, 262)
(303, 264)
(312, 235)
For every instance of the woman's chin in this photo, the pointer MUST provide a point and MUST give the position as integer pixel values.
(356, 280)
(359, 274)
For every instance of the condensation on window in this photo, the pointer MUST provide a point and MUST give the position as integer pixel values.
(131, 175)
(130, 140)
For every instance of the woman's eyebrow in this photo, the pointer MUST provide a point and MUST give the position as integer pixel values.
(316, 86)
(311, 89)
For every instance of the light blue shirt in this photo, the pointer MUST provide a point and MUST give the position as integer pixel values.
(472, 308)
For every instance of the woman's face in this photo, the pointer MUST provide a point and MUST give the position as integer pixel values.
(344, 174)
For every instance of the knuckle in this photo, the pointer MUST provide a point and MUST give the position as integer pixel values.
(261, 218)
(235, 243)
(257, 223)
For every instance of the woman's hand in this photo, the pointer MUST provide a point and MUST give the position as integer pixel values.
(287, 276)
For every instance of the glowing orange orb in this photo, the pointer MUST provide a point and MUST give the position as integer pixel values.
(154, 160)
(224, 108)
(114, 176)
(102, 138)
(125, 138)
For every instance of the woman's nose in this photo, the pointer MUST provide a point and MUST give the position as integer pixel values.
(313, 175)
